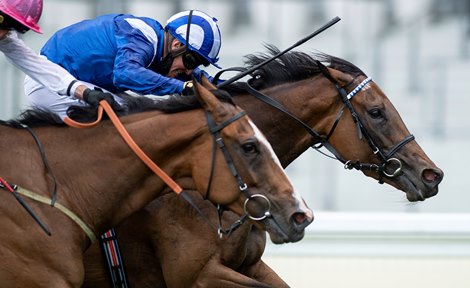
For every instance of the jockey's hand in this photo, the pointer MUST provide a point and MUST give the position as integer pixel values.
(188, 88)
(93, 97)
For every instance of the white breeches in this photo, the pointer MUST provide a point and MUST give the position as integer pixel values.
(45, 99)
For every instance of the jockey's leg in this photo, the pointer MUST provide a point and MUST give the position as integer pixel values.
(43, 98)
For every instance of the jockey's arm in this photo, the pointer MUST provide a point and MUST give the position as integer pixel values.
(135, 51)
(39, 68)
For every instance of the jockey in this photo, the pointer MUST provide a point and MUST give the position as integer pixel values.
(21, 16)
(120, 52)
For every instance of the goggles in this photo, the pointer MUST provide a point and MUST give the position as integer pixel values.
(191, 59)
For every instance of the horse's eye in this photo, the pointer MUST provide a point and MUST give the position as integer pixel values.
(250, 148)
(376, 113)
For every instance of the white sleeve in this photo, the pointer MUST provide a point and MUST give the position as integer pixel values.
(38, 67)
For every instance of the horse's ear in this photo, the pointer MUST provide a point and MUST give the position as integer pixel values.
(324, 70)
(206, 83)
(335, 76)
(208, 101)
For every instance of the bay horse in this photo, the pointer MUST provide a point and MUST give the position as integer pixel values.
(101, 181)
(194, 256)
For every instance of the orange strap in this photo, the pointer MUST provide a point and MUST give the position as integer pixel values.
(75, 124)
(128, 139)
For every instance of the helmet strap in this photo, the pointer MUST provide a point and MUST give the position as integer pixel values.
(188, 28)
(180, 51)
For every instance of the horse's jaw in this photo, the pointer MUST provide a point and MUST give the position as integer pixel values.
(416, 189)
(415, 192)
(280, 232)
(278, 235)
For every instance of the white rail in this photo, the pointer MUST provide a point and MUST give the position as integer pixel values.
(382, 234)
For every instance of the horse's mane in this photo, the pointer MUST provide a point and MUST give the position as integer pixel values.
(34, 117)
(290, 67)
(132, 104)
(136, 104)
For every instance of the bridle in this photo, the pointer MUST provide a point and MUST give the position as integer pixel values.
(215, 130)
(386, 158)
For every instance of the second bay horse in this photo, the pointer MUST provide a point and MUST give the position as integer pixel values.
(100, 181)
(195, 256)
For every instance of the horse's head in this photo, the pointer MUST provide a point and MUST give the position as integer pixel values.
(366, 130)
(245, 175)
(373, 138)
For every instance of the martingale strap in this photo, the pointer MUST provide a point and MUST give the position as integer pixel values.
(109, 245)
(5, 185)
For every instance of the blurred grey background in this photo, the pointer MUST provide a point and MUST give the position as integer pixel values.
(418, 52)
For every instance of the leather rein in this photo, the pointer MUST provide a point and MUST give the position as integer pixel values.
(217, 140)
(323, 141)
(104, 105)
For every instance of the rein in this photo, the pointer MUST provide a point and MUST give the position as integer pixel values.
(110, 244)
(322, 141)
(218, 141)
(108, 240)
(104, 105)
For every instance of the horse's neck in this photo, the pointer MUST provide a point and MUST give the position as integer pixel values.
(310, 100)
(102, 180)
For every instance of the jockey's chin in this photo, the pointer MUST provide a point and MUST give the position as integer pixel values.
(176, 72)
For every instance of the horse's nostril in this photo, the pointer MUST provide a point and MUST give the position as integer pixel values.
(432, 176)
(299, 218)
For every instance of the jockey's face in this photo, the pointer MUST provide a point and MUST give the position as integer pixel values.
(177, 67)
(3, 33)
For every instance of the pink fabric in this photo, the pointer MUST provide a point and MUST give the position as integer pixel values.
(27, 12)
